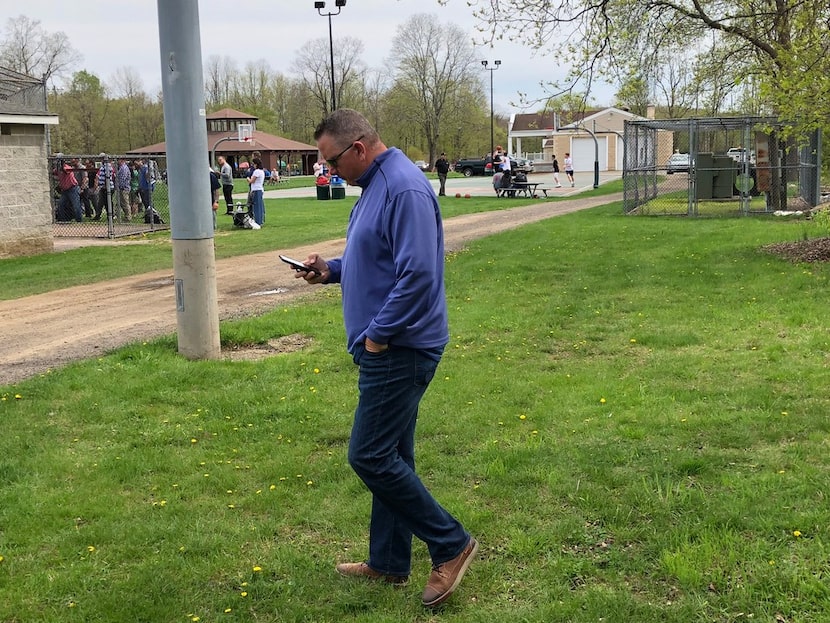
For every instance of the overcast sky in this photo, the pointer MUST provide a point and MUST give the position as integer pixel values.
(111, 34)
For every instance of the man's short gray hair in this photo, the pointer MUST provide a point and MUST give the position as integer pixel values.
(347, 124)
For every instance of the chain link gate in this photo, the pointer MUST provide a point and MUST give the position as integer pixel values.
(108, 195)
(717, 167)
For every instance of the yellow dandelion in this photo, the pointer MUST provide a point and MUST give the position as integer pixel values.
(244, 593)
(194, 618)
(633, 341)
(231, 506)
(17, 396)
(316, 370)
(90, 548)
(310, 482)
(602, 401)
(2, 559)
(784, 413)
(796, 533)
(522, 417)
(228, 610)
(194, 440)
(257, 569)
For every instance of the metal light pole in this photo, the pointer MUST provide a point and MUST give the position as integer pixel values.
(319, 5)
(191, 220)
(496, 63)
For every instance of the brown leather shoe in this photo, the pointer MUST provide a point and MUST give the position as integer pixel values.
(362, 570)
(446, 577)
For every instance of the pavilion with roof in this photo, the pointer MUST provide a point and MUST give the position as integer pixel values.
(276, 152)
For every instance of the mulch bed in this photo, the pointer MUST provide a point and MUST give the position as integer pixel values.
(814, 250)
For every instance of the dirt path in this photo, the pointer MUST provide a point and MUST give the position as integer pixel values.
(49, 330)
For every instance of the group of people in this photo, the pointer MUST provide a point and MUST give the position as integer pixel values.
(569, 169)
(88, 190)
(503, 176)
(255, 175)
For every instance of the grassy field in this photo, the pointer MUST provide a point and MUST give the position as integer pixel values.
(290, 222)
(630, 417)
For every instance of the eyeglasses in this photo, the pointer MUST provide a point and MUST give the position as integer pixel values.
(332, 162)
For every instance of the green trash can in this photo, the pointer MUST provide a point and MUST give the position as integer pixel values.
(704, 175)
(323, 192)
(724, 179)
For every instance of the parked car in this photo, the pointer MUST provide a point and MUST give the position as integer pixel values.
(525, 166)
(421, 164)
(474, 166)
(738, 154)
(678, 163)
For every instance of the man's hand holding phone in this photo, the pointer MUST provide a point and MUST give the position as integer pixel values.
(313, 270)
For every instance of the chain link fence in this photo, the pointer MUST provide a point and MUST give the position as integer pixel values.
(108, 195)
(718, 167)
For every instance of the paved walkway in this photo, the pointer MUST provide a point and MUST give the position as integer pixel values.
(476, 185)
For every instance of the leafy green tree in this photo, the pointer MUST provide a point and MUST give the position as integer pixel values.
(137, 120)
(83, 110)
(784, 44)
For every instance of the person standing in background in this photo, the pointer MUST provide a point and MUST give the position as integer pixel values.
(257, 183)
(569, 167)
(145, 186)
(123, 178)
(442, 166)
(214, 194)
(69, 205)
(556, 172)
(226, 178)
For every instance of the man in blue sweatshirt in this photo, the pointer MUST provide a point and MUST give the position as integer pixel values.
(392, 277)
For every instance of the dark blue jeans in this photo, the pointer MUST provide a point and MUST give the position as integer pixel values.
(382, 453)
(258, 206)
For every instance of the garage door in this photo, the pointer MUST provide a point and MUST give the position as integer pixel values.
(583, 152)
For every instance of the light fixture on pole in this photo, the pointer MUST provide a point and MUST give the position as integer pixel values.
(320, 5)
(496, 63)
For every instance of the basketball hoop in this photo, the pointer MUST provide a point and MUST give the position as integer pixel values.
(245, 133)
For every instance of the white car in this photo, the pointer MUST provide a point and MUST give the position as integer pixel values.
(678, 163)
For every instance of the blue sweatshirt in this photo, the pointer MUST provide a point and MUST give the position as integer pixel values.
(392, 269)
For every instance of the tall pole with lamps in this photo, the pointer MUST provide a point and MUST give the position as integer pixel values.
(496, 66)
(320, 5)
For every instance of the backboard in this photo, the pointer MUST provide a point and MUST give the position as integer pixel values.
(246, 132)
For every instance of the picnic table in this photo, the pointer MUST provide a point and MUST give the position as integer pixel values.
(528, 189)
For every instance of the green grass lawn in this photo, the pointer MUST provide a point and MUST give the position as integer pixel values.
(631, 417)
(290, 222)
